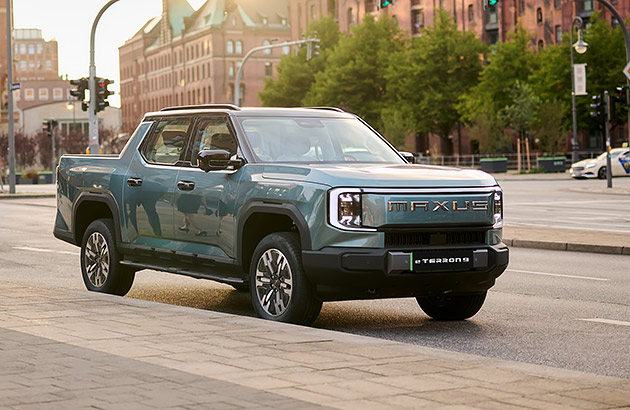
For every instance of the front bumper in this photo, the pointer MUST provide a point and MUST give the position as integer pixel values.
(369, 273)
(583, 172)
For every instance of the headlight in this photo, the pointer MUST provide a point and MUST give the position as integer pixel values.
(498, 209)
(590, 166)
(346, 209)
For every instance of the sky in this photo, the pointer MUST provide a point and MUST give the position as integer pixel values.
(70, 23)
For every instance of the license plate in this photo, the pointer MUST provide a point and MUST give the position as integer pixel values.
(442, 261)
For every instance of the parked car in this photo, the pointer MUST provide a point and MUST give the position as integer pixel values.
(296, 206)
(596, 167)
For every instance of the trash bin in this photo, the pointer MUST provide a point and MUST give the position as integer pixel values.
(494, 165)
(552, 164)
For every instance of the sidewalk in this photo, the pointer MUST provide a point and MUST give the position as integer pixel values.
(73, 349)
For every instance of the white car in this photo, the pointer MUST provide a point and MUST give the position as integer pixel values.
(596, 167)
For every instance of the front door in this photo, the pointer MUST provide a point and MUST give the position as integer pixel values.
(204, 203)
(149, 189)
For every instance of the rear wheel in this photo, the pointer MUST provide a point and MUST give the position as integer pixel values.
(601, 174)
(100, 262)
(279, 288)
(452, 307)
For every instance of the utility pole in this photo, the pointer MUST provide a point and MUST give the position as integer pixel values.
(10, 98)
(94, 145)
(312, 51)
(607, 131)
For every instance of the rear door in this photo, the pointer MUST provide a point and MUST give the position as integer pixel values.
(149, 190)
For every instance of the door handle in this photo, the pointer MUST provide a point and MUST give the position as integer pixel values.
(186, 185)
(134, 182)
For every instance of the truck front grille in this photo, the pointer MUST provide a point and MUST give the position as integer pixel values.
(406, 239)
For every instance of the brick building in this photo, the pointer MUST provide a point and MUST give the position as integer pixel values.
(187, 56)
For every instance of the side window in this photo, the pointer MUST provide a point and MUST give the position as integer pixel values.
(213, 133)
(167, 142)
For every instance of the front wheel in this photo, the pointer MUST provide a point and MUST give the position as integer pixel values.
(100, 265)
(452, 307)
(601, 174)
(279, 288)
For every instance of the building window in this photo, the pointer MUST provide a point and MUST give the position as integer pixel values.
(48, 65)
(539, 16)
(39, 48)
(267, 51)
(493, 36)
(492, 16)
(313, 13)
(471, 14)
(333, 8)
(587, 5)
(370, 5)
(22, 65)
(350, 16)
(558, 34)
(231, 70)
(239, 47)
(284, 21)
(286, 49)
(614, 23)
(43, 94)
(230, 47)
(417, 20)
(268, 70)
(541, 45)
(31, 48)
(521, 7)
(29, 94)
(265, 21)
(22, 48)
(57, 93)
(441, 4)
(556, 4)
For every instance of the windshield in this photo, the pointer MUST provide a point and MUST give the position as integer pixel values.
(309, 140)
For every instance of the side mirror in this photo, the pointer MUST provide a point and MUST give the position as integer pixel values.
(408, 156)
(217, 160)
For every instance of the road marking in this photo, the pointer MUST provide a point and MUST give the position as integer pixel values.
(28, 248)
(558, 275)
(574, 228)
(608, 321)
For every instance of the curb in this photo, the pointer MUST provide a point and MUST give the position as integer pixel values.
(568, 246)
(27, 195)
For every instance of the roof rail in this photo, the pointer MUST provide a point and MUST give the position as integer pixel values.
(327, 108)
(201, 106)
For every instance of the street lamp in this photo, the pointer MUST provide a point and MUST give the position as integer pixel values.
(580, 47)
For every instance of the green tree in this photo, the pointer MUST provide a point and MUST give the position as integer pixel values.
(354, 78)
(550, 129)
(295, 75)
(427, 81)
(522, 113)
(509, 62)
(488, 129)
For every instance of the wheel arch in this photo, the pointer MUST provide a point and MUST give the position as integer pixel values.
(264, 219)
(89, 207)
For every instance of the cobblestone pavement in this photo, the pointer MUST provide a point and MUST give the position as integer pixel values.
(71, 349)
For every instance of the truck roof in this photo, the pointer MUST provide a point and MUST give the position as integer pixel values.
(250, 111)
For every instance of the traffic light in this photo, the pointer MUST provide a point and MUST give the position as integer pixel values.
(620, 96)
(102, 93)
(47, 128)
(312, 50)
(385, 3)
(489, 3)
(79, 92)
(596, 107)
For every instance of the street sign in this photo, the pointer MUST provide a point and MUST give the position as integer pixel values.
(579, 76)
(626, 70)
(16, 86)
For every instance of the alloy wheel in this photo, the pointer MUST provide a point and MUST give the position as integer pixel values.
(97, 259)
(274, 282)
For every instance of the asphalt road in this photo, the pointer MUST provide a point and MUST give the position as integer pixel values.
(560, 309)
(568, 203)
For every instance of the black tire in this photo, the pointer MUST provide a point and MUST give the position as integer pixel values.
(452, 307)
(100, 262)
(276, 272)
(601, 173)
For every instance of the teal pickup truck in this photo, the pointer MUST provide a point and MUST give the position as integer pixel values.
(297, 206)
